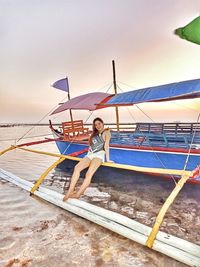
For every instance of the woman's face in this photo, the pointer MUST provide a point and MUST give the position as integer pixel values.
(99, 125)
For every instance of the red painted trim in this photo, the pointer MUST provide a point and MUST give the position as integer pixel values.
(37, 142)
(169, 149)
(168, 177)
(165, 149)
(102, 103)
(196, 172)
(77, 153)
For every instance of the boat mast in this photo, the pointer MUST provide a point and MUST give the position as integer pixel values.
(115, 90)
(70, 111)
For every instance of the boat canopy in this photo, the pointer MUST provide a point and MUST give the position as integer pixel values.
(90, 101)
(172, 91)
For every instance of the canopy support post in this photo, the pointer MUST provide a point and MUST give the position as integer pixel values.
(68, 93)
(115, 89)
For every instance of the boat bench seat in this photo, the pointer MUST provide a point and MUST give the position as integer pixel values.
(75, 130)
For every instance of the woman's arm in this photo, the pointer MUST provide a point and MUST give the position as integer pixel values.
(107, 143)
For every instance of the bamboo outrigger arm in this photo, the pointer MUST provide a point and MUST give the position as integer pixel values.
(42, 177)
(114, 165)
(12, 147)
(163, 210)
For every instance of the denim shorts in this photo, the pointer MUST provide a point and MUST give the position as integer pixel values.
(100, 155)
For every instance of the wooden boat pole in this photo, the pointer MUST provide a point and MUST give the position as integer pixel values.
(115, 90)
(165, 207)
(70, 111)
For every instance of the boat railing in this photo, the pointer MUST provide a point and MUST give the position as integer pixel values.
(168, 128)
(143, 127)
(178, 135)
(174, 135)
(154, 140)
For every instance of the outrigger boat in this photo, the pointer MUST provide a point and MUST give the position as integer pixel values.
(161, 149)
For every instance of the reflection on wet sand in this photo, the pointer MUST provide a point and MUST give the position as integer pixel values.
(140, 197)
(36, 233)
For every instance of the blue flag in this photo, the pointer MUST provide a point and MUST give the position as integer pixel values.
(62, 85)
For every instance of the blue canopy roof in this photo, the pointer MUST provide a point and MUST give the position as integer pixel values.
(172, 91)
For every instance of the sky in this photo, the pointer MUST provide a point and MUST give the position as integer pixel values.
(43, 41)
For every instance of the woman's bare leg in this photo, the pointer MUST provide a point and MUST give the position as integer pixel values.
(84, 163)
(94, 165)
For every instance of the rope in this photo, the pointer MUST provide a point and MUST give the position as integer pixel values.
(170, 199)
(145, 113)
(91, 113)
(109, 87)
(128, 85)
(4, 140)
(40, 120)
(162, 163)
(189, 152)
(192, 140)
(102, 88)
(181, 105)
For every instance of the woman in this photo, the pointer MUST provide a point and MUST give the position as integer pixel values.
(98, 149)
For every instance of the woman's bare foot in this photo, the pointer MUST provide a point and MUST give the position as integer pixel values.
(69, 195)
(75, 195)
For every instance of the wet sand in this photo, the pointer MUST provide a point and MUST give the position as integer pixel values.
(36, 233)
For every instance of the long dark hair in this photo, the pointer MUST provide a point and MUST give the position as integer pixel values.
(94, 130)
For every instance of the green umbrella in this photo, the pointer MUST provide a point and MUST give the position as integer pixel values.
(191, 31)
